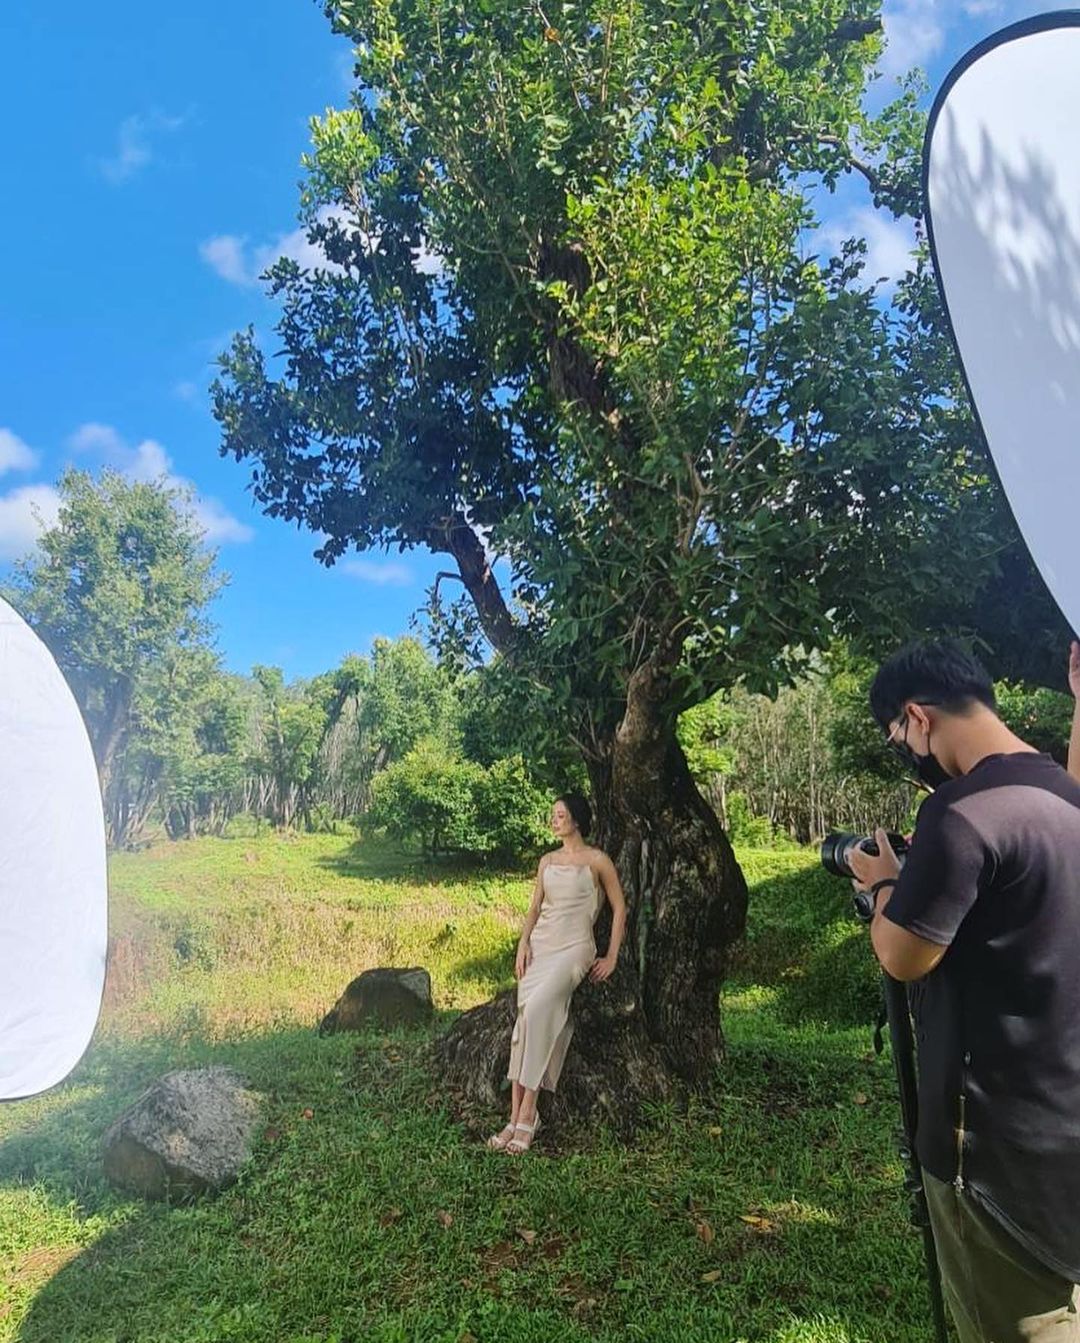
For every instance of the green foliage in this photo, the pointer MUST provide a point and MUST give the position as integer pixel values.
(379, 707)
(451, 805)
(511, 811)
(201, 743)
(428, 796)
(118, 590)
(571, 319)
(406, 697)
(800, 763)
(1043, 718)
(293, 722)
(704, 732)
(502, 716)
(743, 827)
(840, 981)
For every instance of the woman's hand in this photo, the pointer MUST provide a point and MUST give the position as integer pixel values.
(602, 968)
(1074, 669)
(523, 959)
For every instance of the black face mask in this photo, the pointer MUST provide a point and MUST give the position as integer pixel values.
(928, 768)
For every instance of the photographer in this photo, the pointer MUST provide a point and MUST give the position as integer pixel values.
(986, 913)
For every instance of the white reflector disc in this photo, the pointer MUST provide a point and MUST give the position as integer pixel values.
(53, 921)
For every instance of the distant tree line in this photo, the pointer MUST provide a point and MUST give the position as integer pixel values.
(431, 754)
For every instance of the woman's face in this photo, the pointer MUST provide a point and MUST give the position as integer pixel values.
(562, 823)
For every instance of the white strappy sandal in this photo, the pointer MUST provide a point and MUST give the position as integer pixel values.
(517, 1146)
(498, 1142)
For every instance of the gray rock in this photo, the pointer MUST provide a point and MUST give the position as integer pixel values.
(188, 1133)
(382, 998)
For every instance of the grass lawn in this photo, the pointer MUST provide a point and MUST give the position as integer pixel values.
(768, 1210)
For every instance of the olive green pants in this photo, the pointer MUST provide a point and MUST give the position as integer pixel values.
(996, 1290)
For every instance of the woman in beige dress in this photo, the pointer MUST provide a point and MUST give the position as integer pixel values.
(555, 953)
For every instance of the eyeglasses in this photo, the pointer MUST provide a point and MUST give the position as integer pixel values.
(900, 748)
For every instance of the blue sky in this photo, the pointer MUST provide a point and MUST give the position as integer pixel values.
(151, 171)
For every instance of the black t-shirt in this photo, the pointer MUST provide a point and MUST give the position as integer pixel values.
(994, 875)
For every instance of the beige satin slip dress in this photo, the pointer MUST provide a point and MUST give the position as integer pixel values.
(563, 951)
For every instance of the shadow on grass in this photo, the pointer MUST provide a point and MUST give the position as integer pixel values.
(365, 1215)
(494, 967)
(803, 939)
(370, 860)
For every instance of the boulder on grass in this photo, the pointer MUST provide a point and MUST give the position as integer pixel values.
(382, 998)
(188, 1133)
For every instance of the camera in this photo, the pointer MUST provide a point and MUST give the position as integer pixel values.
(836, 848)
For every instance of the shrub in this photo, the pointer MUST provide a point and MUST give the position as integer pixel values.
(449, 805)
(744, 828)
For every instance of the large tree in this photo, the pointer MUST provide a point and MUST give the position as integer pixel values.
(118, 589)
(572, 316)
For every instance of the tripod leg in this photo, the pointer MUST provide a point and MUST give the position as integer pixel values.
(903, 1051)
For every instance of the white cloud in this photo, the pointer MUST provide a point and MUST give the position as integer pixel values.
(383, 573)
(914, 34)
(185, 391)
(225, 255)
(889, 242)
(299, 248)
(149, 462)
(133, 145)
(918, 31)
(93, 437)
(218, 524)
(230, 255)
(24, 514)
(15, 455)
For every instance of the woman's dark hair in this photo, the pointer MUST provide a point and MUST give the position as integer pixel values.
(934, 671)
(579, 810)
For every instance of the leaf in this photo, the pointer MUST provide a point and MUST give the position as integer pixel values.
(390, 1216)
(861, 1098)
(757, 1223)
(445, 1218)
(704, 1232)
(714, 1275)
(527, 1236)
(715, 1131)
(308, 1114)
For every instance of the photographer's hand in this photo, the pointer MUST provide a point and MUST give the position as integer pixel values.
(868, 868)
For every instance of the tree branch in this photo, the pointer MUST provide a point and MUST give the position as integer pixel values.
(456, 537)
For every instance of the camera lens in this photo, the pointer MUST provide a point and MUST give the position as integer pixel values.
(834, 853)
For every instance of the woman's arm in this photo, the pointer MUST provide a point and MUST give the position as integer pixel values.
(1074, 686)
(604, 966)
(524, 951)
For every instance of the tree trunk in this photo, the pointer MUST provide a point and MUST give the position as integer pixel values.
(654, 1028)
